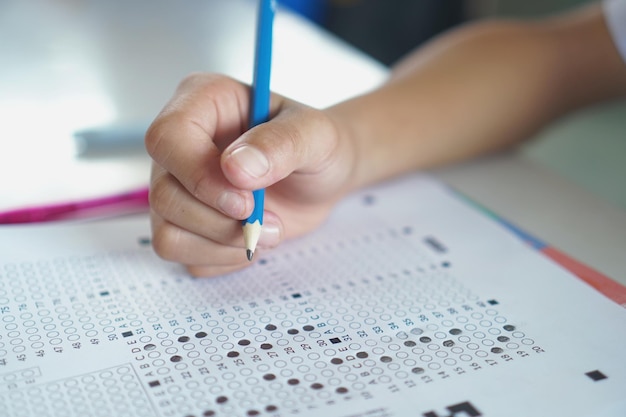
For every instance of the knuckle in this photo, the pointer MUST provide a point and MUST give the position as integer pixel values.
(198, 81)
(192, 79)
(300, 145)
(289, 140)
(162, 196)
(199, 187)
(153, 137)
(165, 242)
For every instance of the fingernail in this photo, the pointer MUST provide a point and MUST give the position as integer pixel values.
(270, 235)
(231, 204)
(251, 161)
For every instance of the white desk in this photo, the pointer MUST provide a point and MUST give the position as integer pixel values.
(78, 64)
(75, 64)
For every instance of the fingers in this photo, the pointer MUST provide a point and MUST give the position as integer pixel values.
(204, 256)
(172, 202)
(297, 140)
(177, 244)
(206, 162)
(206, 113)
(189, 232)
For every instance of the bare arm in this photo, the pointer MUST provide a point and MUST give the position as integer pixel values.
(482, 87)
(476, 89)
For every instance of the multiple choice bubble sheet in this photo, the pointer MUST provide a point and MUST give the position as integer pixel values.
(407, 302)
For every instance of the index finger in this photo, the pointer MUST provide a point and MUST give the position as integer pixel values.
(205, 114)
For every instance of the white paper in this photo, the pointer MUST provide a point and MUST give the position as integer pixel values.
(418, 305)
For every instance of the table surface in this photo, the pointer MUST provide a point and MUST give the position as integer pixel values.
(84, 63)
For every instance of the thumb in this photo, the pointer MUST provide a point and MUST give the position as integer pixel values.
(298, 139)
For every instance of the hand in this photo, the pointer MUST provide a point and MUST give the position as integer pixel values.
(207, 162)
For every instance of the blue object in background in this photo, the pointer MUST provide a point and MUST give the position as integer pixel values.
(314, 10)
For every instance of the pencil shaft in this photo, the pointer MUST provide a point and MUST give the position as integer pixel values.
(260, 110)
(262, 64)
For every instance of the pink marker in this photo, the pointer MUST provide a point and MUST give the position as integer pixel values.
(108, 205)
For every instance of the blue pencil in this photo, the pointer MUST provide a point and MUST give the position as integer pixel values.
(260, 111)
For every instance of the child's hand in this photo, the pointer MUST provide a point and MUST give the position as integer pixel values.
(206, 164)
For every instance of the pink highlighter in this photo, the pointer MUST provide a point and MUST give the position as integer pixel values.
(101, 206)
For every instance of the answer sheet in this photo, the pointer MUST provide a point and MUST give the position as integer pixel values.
(407, 302)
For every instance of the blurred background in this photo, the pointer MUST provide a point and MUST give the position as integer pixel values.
(388, 29)
(70, 65)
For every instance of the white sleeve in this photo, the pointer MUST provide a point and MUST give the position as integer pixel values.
(615, 14)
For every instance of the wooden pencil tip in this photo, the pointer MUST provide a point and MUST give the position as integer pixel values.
(249, 254)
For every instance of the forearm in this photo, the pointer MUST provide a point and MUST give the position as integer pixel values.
(478, 89)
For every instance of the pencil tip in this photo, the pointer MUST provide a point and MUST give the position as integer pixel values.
(249, 254)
